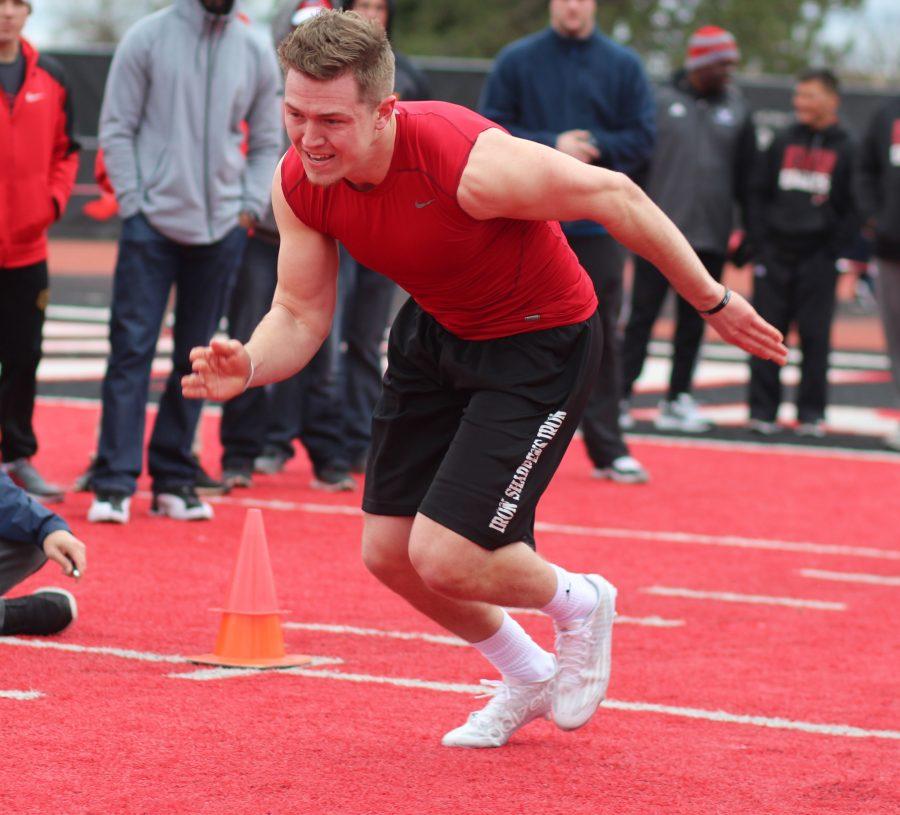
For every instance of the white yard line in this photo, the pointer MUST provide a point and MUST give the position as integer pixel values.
(87, 314)
(732, 541)
(757, 599)
(849, 577)
(20, 695)
(621, 619)
(841, 730)
(209, 674)
(768, 447)
(103, 650)
(439, 639)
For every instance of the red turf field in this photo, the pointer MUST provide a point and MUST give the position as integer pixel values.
(115, 732)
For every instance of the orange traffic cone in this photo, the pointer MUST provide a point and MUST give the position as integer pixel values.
(250, 632)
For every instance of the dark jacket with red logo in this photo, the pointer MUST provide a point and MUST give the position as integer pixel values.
(801, 196)
(39, 160)
(879, 179)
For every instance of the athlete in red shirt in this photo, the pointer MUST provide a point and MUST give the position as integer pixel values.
(489, 362)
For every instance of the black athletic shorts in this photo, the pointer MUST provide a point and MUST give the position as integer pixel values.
(469, 433)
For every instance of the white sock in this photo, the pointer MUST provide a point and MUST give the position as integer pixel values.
(518, 657)
(575, 597)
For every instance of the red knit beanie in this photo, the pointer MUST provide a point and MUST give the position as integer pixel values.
(709, 45)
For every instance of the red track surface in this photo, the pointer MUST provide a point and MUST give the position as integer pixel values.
(118, 735)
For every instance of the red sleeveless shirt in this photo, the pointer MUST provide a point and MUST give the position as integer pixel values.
(479, 279)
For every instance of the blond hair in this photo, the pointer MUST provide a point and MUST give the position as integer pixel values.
(333, 43)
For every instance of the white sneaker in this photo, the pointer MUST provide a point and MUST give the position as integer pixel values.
(624, 470)
(584, 651)
(511, 707)
(682, 414)
(109, 508)
(181, 504)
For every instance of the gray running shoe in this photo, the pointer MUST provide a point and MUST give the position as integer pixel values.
(23, 473)
(271, 462)
(681, 414)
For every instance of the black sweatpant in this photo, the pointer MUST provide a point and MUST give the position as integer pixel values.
(801, 291)
(647, 296)
(23, 300)
(604, 259)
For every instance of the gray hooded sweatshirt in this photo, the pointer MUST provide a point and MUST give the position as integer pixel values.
(181, 83)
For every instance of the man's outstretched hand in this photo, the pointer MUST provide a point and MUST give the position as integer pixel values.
(220, 371)
(739, 324)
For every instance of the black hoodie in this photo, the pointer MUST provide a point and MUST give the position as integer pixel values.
(801, 196)
(409, 82)
(879, 179)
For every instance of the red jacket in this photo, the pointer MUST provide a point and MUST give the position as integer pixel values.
(39, 160)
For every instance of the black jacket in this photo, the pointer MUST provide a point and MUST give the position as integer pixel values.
(878, 181)
(801, 196)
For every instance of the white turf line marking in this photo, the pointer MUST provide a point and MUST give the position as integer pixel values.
(764, 447)
(779, 723)
(732, 541)
(208, 674)
(443, 639)
(20, 695)
(758, 599)
(621, 619)
(848, 577)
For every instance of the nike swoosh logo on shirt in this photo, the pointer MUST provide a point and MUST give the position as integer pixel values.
(33, 97)
(423, 204)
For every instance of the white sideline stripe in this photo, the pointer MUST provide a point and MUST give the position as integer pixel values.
(849, 577)
(778, 723)
(20, 695)
(845, 359)
(440, 639)
(759, 599)
(621, 619)
(103, 650)
(89, 314)
(208, 674)
(768, 447)
(604, 532)
(847, 731)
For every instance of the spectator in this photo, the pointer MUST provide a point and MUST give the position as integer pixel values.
(705, 145)
(29, 535)
(37, 172)
(801, 215)
(879, 200)
(304, 406)
(572, 88)
(171, 133)
(365, 297)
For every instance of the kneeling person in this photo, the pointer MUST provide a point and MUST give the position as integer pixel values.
(30, 534)
(489, 362)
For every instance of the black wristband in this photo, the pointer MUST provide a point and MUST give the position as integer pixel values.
(722, 303)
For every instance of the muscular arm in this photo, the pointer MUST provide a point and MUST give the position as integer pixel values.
(302, 309)
(288, 336)
(508, 177)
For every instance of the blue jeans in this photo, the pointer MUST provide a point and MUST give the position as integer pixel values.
(149, 264)
(303, 406)
(363, 311)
